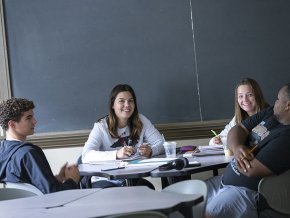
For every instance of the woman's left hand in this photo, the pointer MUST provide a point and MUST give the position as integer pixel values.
(145, 150)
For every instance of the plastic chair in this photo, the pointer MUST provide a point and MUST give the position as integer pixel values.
(23, 186)
(14, 193)
(85, 181)
(275, 194)
(191, 187)
(143, 214)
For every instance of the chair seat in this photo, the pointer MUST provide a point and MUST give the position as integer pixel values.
(193, 186)
(14, 193)
(275, 191)
(23, 186)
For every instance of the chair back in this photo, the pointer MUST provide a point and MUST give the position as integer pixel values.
(194, 186)
(276, 191)
(14, 193)
(23, 186)
(85, 181)
(79, 160)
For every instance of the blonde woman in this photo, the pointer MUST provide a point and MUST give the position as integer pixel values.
(249, 100)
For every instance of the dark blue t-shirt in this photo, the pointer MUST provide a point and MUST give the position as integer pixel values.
(273, 148)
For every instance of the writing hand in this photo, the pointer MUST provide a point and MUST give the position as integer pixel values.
(125, 152)
(217, 140)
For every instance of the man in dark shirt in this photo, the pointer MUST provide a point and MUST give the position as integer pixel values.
(261, 148)
(21, 161)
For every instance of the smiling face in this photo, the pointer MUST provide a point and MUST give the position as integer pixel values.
(123, 106)
(20, 130)
(246, 99)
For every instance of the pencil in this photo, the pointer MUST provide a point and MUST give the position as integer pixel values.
(251, 151)
(214, 133)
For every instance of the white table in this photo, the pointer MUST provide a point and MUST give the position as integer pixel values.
(97, 202)
(127, 173)
(208, 163)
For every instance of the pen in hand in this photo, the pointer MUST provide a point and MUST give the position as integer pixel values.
(129, 149)
(250, 152)
(130, 143)
(215, 134)
(217, 137)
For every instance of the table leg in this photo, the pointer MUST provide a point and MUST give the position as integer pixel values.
(215, 172)
(166, 181)
(129, 182)
(85, 182)
(186, 212)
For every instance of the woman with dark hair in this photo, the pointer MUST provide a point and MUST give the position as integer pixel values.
(249, 100)
(121, 134)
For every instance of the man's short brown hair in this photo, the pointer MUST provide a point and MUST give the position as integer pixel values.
(12, 109)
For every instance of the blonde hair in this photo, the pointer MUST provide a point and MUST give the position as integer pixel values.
(261, 103)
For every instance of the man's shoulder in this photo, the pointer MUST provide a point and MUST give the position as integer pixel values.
(23, 146)
(30, 148)
(266, 115)
(18, 149)
(285, 131)
(267, 112)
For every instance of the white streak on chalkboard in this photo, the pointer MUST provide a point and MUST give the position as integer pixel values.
(195, 61)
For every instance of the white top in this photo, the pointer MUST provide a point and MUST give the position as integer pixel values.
(98, 145)
(224, 133)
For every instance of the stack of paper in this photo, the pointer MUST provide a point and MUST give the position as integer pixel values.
(206, 150)
(211, 148)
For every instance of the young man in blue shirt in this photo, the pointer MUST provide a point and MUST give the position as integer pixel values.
(21, 161)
